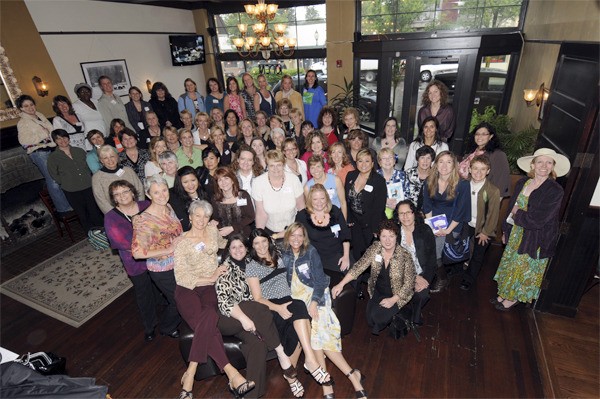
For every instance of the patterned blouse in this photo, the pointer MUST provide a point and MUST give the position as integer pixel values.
(139, 166)
(354, 201)
(152, 232)
(232, 288)
(414, 185)
(235, 103)
(275, 288)
(194, 261)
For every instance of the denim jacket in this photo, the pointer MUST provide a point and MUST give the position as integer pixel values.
(312, 275)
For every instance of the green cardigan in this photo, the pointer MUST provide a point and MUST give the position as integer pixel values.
(71, 174)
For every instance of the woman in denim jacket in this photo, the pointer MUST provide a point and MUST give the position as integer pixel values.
(310, 284)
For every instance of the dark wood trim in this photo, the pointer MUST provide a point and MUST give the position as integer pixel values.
(116, 32)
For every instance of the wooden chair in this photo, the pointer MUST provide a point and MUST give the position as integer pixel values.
(66, 218)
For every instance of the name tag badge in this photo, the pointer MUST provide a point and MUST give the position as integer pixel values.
(148, 140)
(113, 102)
(378, 258)
(331, 192)
(335, 228)
(147, 109)
(303, 268)
(141, 125)
(226, 152)
(215, 101)
(368, 188)
(119, 146)
(200, 246)
(242, 202)
(120, 172)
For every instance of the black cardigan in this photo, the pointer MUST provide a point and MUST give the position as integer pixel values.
(373, 203)
(425, 247)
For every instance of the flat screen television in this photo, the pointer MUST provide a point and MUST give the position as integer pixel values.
(187, 50)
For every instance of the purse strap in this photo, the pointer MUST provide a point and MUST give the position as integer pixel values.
(271, 275)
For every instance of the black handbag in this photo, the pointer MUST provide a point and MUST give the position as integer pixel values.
(458, 249)
(46, 363)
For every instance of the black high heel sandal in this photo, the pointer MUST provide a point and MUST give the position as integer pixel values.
(362, 393)
(241, 389)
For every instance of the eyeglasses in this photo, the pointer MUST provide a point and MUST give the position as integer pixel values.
(122, 193)
(401, 214)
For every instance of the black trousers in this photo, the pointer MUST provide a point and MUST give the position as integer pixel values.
(476, 260)
(417, 303)
(254, 349)
(84, 205)
(144, 296)
(165, 281)
(379, 317)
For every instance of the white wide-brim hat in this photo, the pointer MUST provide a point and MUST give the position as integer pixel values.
(561, 166)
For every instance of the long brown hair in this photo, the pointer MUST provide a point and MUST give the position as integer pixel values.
(224, 171)
(453, 180)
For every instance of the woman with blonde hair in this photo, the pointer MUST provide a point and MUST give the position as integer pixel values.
(202, 133)
(351, 120)
(264, 99)
(309, 283)
(247, 131)
(445, 193)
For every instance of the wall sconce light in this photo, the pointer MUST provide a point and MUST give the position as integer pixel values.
(40, 87)
(149, 85)
(532, 95)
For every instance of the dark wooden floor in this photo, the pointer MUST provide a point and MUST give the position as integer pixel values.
(467, 348)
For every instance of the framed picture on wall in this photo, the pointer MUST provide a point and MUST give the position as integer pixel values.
(116, 70)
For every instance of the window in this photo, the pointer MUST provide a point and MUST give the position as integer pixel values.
(306, 24)
(404, 16)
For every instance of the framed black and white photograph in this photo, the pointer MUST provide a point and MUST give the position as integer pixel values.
(116, 70)
(187, 50)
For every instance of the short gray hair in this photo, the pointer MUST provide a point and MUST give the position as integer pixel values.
(204, 205)
(105, 149)
(168, 156)
(155, 179)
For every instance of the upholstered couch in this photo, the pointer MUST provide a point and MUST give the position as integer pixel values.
(344, 307)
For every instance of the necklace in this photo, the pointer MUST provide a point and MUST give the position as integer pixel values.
(319, 221)
(271, 184)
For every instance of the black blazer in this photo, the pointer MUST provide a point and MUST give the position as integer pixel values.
(425, 247)
(373, 203)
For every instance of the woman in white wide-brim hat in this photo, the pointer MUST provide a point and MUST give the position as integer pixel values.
(531, 228)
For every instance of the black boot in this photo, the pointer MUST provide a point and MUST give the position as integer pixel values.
(441, 279)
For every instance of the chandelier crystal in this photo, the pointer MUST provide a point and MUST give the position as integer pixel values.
(266, 40)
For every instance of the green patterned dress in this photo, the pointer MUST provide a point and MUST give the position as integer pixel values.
(519, 276)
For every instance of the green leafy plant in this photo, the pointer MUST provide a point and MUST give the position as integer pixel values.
(515, 145)
(343, 99)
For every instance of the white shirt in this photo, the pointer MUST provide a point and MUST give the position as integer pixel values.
(91, 118)
(475, 187)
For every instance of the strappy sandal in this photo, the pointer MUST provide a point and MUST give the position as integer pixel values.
(185, 395)
(318, 374)
(362, 393)
(241, 389)
(290, 372)
(295, 386)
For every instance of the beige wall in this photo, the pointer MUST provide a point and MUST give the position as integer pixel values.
(340, 34)
(201, 22)
(27, 55)
(549, 20)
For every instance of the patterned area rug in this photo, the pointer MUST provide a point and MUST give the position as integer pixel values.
(72, 286)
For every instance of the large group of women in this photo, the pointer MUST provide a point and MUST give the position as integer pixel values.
(239, 207)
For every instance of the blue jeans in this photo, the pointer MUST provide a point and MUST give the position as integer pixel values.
(40, 159)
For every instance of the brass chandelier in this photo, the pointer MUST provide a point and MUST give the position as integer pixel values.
(266, 40)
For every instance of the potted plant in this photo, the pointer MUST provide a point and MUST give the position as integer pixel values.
(515, 145)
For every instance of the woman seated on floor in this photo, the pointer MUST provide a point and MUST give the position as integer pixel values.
(196, 271)
(392, 279)
(265, 276)
(250, 321)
